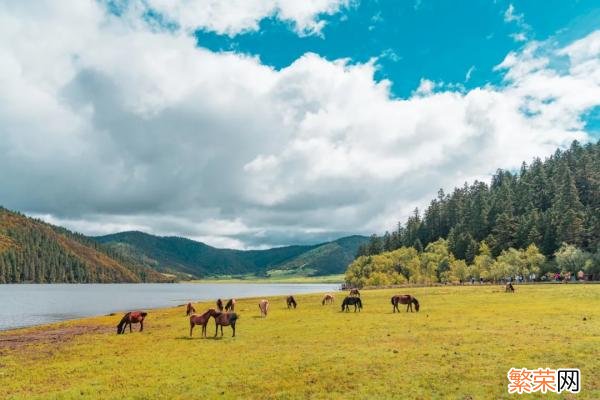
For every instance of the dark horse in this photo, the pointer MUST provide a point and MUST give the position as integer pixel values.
(219, 305)
(354, 292)
(291, 302)
(405, 299)
(224, 319)
(190, 309)
(349, 301)
(230, 306)
(200, 320)
(509, 288)
(132, 317)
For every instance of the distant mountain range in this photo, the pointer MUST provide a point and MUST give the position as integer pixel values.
(34, 251)
(176, 255)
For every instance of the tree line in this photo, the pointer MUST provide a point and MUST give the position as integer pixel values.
(552, 204)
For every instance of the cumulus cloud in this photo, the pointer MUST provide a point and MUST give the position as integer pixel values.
(238, 16)
(108, 124)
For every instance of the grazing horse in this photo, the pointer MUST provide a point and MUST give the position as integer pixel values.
(219, 305)
(291, 302)
(200, 320)
(354, 292)
(509, 288)
(190, 309)
(230, 306)
(224, 319)
(263, 305)
(327, 299)
(349, 301)
(405, 299)
(132, 317)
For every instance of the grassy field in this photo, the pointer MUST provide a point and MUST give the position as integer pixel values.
(275, 278)
(459, 346)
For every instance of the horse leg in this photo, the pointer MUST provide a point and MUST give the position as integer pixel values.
(141, 325)
(216, 328)
(221, 330)
(233, 327)
(130, 330)
(191, 327)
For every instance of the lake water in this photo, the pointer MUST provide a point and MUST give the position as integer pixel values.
(29, 304)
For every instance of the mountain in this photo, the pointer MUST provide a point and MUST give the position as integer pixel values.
(184, 256)
(34, 251)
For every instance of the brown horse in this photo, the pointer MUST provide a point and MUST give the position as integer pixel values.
(132, 317)
(190, 309)
(230, 306)
(509, 288)
(327, 299)
(354, 292)
(219, 305)
(224, 319)
(263, 305)
(405, 299)
(200, 320)
(291, 302)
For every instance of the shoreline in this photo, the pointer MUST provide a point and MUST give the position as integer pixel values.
(162, 308)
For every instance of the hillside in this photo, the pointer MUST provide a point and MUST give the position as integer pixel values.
(184, 256)
(34, 251)
(546, 203)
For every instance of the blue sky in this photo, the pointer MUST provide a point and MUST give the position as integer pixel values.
(437, 40)
(258, 123)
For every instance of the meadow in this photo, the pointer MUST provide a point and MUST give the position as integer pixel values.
(459, 346)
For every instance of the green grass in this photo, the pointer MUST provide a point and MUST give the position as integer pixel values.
(276, 277)
(459, 346)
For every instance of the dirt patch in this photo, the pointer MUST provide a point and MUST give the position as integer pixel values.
(54, 336)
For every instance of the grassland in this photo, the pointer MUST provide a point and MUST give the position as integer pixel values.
(459, 346)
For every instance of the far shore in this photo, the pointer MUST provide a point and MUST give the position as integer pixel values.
(339, 278)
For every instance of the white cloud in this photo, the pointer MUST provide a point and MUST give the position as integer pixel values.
(237, 16)
(109, 124)
(469, 73)
(511, 16)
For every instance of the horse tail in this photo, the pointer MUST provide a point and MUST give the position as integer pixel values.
(393, 298)
(323, 301)
(359, 303)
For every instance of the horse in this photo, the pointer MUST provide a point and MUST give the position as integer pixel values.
(230, 306)
(200, 320)
(354, 292)
(132, 317)
(327, 299)
(223, 319)
(349, 301)
(190, 309)
(263, 305)
(291, 302)
(405, 299)
(509, 288)
(220, 305)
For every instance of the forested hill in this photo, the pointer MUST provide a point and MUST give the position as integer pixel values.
(34, 251)
(546, 203)
(184, 256)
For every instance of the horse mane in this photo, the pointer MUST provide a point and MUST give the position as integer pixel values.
(143, 313)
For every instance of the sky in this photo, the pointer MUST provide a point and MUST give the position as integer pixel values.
(261, 123)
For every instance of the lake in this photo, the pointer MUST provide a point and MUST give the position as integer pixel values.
(33, 304)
